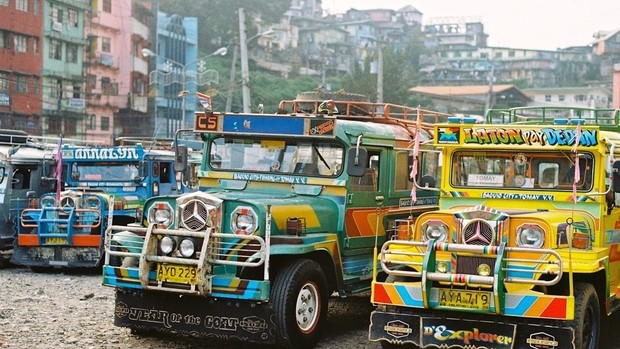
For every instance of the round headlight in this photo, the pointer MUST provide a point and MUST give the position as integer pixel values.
(160, 213)
(435, 230)
(442, 266)
(244, 220)
(48, 201)
(530, 235)
(93, 203)
(484, 270)
(167, 245)
(187, 248)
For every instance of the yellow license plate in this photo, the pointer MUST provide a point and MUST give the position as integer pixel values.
(465, 299)
(182, 274)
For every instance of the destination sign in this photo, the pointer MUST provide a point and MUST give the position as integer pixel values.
(107, 154)
(264, 124)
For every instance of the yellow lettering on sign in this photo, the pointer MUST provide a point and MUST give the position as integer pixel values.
(56, 241)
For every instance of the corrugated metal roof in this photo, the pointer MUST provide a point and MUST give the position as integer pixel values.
(466, 90)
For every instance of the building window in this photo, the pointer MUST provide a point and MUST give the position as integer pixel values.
(21, 5)
(55, 49)
(35, 85)
(73, 18)
(107, 6)
(36, 7)
(499, 54)
(35, 45)
(105, 44)
(4, 2)
(105, 123)
(91, 82)
(21, 84)
(511, 53)
(561, 98)
(21, 43)
(5, 39)
(547, 98)
(4, 82)
(72, 53)
(56, 14)
(91, 122)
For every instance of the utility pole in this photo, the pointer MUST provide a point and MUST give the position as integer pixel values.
(245, 71)
(380, 76)
(231, 82)
(488, 102)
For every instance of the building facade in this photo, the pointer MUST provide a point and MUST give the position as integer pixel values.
(21, 60)
(64, 104)
(176, 73)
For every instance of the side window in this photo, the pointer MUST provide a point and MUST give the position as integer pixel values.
(165, 175)
(403, 169)
(370, 180)
(21, 178)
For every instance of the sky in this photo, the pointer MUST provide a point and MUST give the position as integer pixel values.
(526, 24)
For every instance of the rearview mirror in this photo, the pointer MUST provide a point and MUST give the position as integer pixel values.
(356, 161)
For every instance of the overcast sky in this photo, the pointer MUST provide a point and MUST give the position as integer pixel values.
(528, 24)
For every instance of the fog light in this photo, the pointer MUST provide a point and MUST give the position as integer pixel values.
(483, 270)
(167, 245)
(442, 266)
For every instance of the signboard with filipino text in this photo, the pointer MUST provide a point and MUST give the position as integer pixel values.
(551, 136)
(104, 154)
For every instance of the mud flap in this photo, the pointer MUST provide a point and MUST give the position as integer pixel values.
(230, 320)
(443, 332)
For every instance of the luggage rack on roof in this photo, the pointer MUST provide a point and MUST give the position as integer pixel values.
(360, 110)
(607, 118)
(22, 138)
(146, 142)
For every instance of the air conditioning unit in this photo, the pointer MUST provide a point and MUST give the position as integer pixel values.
(57, 26)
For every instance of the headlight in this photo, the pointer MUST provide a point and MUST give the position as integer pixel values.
(187, 248)
(244, 220)
(167, 245)
(48, 201)
(93, 203)
(530, 235)
(160, 213)
(437, 230)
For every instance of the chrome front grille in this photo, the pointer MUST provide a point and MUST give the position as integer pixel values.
(195, 215)
(469, 264)
(478, 232)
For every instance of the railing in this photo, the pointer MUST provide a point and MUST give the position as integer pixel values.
(605, 117)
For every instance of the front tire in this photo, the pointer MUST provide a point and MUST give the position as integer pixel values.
(300, 301)
(587, 322)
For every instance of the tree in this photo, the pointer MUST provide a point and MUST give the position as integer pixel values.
(218, 20)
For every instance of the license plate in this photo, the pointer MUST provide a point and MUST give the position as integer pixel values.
(182, 274)
(465, 299)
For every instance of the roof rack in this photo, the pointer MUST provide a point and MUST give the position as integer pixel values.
(367, 111)
(22, 138)
(147, 142)
(607, 118)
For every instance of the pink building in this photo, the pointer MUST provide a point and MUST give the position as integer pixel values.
(117, 74)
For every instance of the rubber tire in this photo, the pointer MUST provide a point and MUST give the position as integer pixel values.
(587, 322)
(294, 279)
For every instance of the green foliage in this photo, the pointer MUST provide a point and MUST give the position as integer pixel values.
(218, 20)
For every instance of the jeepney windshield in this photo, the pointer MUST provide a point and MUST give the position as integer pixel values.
(290, 156)
(527, 170)
(105, 171)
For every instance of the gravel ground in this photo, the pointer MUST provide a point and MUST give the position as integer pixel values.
(73, 310)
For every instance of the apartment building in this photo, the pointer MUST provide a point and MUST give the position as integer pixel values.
(21, 60)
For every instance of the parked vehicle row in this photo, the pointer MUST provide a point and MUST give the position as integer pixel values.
(472, 233)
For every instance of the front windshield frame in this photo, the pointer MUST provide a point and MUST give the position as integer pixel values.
(285, 156)
(106, 171)
(527, 170)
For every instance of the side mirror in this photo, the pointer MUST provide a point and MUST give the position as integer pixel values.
(356, 161)
(31, 194)
(180, 158)
(45, 168)
(616, 176)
